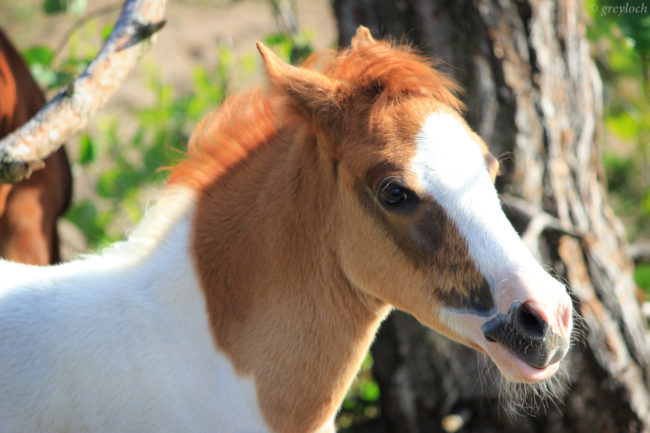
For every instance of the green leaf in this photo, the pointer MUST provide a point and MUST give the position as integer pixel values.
(93, 225)
(156, 156)
(635, 23)
(646, 204)
(621, 172)
(44, 75)
(55, 6)
(226, 59)
(623, 125)
(117, 182)
(106, 31)
(368, 362)
(77, 7)
(624, 60)
(370, 391)
(299, 54)
(133, 210)
(642, 277)
(276, 39)
(38, 54)
(87, 150)
(136, 141)
(249, 63)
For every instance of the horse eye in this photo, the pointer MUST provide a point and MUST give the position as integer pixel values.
(392, 193)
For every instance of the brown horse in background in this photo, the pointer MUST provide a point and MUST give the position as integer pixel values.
(29, 209)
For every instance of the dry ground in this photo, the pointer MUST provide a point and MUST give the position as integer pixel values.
(189, 38)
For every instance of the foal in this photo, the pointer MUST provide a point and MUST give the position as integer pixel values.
(248, 297)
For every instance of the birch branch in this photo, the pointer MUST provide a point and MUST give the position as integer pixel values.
(23, 151)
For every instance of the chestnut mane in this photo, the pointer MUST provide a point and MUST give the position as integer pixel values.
(246, 121)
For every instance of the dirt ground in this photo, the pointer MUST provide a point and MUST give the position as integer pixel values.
(189, 38)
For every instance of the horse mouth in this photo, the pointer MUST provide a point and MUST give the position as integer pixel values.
(515, 369)
(527, 336)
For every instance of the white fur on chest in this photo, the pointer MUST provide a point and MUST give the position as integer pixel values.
(118, 343)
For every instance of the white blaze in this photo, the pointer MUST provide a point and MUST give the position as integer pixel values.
(452, 168)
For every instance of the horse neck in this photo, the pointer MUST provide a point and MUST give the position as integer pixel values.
(279, 305)
(153, 264)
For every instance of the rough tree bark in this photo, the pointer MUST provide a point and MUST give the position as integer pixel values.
(69, 111)
(534, 94)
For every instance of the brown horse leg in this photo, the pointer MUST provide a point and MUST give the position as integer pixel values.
(23, 231)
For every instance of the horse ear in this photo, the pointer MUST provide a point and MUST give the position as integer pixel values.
(314, 92)
(362, 38)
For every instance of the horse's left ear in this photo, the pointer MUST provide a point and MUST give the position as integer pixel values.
(317, 94)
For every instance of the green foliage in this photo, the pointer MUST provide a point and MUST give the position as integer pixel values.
(39, 54)
(642, 278)
(628, 194)
(76, 7)
(636, 26)
(129, 165)
(624, 125)
(293, 50)
(621, 36)
(362, 402)
(87, 150)
(85, 216)
(51, 72)
(631, 17)
(39, 59)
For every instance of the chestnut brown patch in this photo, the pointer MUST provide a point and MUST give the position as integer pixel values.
(432, 242)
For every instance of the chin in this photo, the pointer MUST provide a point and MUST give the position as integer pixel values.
(526, 390)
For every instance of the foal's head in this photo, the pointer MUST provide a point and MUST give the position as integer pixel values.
(419, 222)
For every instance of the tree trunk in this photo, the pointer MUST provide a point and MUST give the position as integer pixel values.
(534, 95)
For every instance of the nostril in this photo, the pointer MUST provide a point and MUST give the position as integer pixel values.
(526, 332)
(528, 322)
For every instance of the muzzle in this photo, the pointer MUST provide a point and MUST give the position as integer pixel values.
(527, 335)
